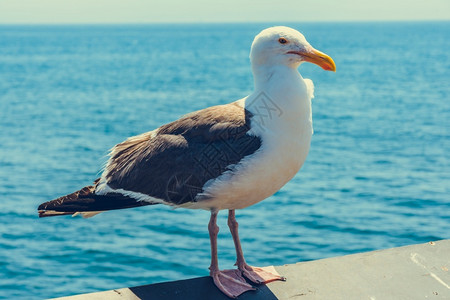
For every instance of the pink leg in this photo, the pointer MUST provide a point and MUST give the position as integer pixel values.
(255, 274)
(230, 282)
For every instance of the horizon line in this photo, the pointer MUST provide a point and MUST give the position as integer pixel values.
(225, 22)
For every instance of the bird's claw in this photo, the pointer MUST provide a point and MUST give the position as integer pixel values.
(231, 282)
(260, 275)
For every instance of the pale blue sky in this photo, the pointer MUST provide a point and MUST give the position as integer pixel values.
(156, 11)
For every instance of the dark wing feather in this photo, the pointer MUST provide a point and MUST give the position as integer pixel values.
(175, 164)
(85, 200)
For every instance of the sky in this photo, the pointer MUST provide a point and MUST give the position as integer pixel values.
(201, 11)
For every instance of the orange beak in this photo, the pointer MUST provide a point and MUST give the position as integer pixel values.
(316, 57)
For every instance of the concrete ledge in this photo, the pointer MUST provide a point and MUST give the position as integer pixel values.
(411, 272)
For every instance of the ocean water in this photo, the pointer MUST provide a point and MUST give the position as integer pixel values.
(377, 176)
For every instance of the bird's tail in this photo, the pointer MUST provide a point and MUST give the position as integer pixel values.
(86, 202)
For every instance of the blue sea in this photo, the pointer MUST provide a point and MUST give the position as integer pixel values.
(377, 176)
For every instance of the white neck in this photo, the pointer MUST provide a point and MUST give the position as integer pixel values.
(282, 90)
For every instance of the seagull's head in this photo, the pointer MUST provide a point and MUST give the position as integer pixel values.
(286, 46)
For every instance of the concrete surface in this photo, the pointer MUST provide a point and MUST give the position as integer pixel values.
(410, 272)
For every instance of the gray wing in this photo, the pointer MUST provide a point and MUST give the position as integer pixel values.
(174, 162)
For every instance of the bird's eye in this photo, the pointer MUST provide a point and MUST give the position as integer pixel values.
(282, 40)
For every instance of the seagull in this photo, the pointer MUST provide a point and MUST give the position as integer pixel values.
(224, 157)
